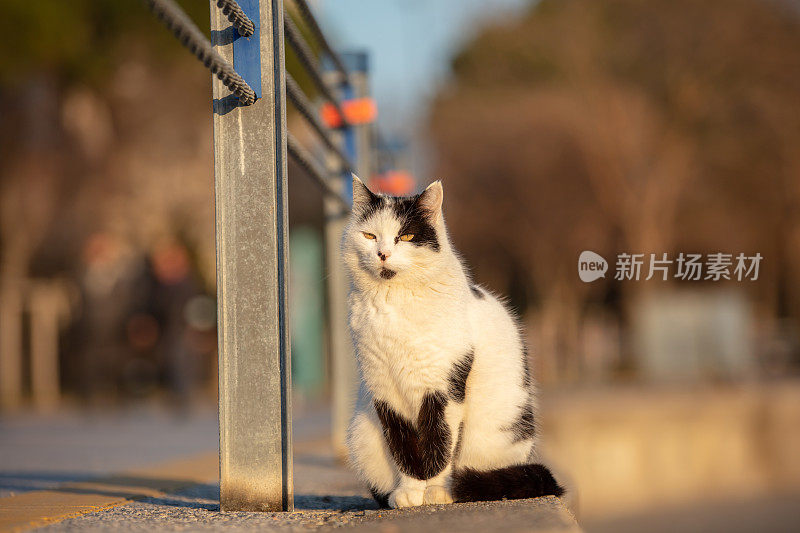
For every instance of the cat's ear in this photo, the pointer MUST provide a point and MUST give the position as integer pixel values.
(362, 196)
(431, 200)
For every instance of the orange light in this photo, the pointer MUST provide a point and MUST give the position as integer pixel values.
(394, 182)
(357, 111)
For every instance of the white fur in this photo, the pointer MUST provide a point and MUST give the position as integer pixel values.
(408, 332)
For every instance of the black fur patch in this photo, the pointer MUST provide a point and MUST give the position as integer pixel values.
(458, 377)
(420, 450)
(459, 440)
(387, 273)
(476, 292)
(371, 207)
(512, 483)
(414, 219)
(381, 497)
(434, 434)
(526, 368)
(524, 427)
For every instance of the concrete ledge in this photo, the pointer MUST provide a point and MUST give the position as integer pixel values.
(538, 514)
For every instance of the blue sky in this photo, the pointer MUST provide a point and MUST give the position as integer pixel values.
(411, 43)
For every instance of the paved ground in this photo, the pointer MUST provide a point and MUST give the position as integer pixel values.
(62, 453)
(40, 452)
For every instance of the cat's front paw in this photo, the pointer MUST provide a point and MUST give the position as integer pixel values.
(406, 497)
(436, 494)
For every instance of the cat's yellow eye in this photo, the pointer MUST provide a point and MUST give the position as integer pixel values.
(369, 236)
(407, 237)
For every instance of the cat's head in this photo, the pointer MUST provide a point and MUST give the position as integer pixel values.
(390, 238)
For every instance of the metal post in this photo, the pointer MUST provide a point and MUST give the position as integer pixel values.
(344, 374)
(46, 309)
(10, 345)
(252, 242)
(364, 134)
(340, 346)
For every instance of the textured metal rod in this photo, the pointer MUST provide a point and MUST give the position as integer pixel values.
(319, 35)
(310, 63)
(295, 95)
(192, 38)
(240, 21)
(250, 178)
(303, 158)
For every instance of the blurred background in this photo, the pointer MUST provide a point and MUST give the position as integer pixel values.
(557, 126)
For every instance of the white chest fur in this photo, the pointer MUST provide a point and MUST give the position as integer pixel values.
(407, 341)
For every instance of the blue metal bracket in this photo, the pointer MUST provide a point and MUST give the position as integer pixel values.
(350, 147)
(247, 50)
(355, 61)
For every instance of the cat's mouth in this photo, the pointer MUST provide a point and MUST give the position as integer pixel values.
(386, 273)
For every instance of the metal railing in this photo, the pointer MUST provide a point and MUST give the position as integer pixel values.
(251, 145)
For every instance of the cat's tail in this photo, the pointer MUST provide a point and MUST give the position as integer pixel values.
(512, 483)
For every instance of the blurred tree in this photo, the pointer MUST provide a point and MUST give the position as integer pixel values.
(79, 40)
(77, 86)
(624, 125)
(105, 133)
(70, 74)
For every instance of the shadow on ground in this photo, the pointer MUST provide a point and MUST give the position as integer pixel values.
(202, 496)
(16, 482)
(118, 486)
(206, 496)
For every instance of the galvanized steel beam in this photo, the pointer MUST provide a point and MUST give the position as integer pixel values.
(252, 256)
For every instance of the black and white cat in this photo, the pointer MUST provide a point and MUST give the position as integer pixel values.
(446, 407)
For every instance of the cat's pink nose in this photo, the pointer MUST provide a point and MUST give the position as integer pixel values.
(384, 255)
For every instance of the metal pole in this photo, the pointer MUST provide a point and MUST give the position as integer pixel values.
(10, 345)
(46, 308)
(359, 66)
(344, 374)
(252, 242)
(340, 346)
